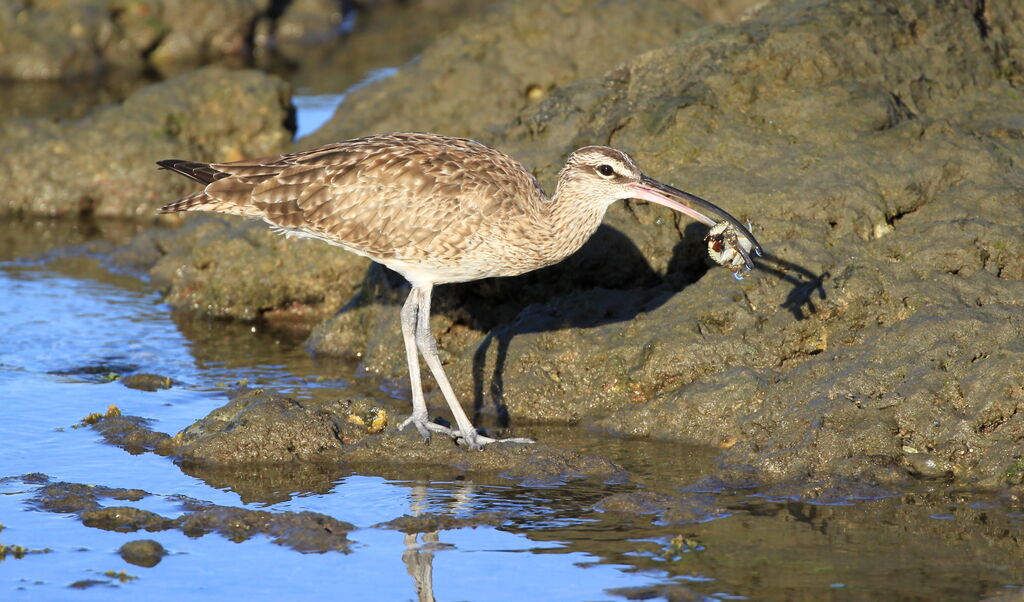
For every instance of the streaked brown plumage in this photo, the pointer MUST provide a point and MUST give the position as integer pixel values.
(435, 209)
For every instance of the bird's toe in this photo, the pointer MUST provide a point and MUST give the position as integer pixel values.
(476, 441)
(424, 426)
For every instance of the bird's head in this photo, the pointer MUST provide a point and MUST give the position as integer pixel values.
(603, 175)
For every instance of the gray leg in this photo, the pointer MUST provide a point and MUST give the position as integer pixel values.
(428, 347)
(419, 406)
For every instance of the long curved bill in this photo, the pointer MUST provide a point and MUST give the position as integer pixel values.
(649, 189)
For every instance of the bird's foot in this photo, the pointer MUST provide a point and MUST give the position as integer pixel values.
(474, 440)
(469, 439)
(425, 426)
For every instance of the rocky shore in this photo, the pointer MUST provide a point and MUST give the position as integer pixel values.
(875, 147)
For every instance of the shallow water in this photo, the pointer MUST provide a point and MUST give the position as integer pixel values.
(70, 330)
(314, 110)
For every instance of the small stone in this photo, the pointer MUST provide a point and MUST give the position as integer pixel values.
(146, 382)
(143, 552)
(87, 583)
(927, 466)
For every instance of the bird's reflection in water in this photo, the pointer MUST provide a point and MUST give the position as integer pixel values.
(420, 547)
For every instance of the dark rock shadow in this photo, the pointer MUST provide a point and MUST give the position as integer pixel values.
(609, 261)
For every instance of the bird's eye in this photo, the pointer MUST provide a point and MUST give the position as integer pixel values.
(606, 170)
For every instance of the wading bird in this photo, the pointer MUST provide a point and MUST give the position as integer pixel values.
(436, 210)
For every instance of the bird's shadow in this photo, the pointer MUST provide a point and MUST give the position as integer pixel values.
(608, 280)
(805, 284)
(684, 268)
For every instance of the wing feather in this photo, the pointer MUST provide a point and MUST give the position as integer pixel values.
(407, 196)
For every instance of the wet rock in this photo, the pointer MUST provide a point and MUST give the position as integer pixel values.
(428, 523)
(232, 268)
(53, 168)
(927, 466)
(146, 382)
(833, 489)
(260, 427)
(125, 519)
(706, 411)
(142, 552)
(1013, 476)
(867, 401)
(130, 433)
(75, 498)
(47, 40)
(537, 463)
(301, 531)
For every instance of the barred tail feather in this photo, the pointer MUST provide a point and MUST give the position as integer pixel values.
(204, 173)
(231, 195)
(193, 202)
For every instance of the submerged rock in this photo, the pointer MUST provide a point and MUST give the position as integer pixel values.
(670, 509)
(144, 381)
(301, 531)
